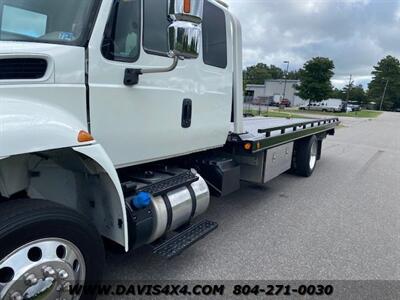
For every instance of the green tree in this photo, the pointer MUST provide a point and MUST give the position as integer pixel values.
(276, 73)
(315, 79)
(256, 74)
(294, 75)
(386, 72)
(337, 94)
(260, 72)
(356, 94)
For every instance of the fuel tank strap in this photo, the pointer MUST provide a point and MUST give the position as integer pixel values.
(169, 211)
(194, 200)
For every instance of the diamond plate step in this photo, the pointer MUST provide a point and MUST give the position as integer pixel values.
(177, 244)
(170, 184)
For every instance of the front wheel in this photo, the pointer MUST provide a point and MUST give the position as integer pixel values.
(46, 248)
(305, 156)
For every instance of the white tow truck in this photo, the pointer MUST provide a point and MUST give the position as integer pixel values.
(118, 120)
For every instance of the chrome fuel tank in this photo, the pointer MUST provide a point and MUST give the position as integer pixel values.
(178, 207)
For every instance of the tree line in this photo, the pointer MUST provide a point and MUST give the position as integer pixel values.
(315, 81)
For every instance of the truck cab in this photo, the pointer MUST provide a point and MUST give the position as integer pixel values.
(88, 48)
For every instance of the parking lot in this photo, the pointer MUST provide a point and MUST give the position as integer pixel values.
(342, 223)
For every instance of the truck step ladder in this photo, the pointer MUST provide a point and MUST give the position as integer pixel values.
(170, 184)
(183, 240)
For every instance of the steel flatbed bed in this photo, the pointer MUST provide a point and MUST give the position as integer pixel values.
(262, 133)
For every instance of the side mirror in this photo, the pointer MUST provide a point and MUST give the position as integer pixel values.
(184, 33)
(184, 39)
(184, 36)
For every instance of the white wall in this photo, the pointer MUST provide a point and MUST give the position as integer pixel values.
(259, 90)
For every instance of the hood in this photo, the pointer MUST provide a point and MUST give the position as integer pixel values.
(65, 64)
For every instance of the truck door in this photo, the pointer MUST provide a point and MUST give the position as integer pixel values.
(165, 114)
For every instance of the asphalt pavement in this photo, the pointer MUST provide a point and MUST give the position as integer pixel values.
(342, 223)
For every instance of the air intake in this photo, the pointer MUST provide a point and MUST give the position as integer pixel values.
(22, 68)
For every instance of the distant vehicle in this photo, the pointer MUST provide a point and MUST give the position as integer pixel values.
(330, 105)
(285, 103)
(305, 107)
(354, 107)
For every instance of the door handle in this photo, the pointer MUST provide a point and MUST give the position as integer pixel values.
(186, 113)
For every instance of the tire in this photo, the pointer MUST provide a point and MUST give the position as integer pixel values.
(48, 238)
(305, 156)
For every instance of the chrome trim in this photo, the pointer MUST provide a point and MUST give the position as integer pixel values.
(184, 39)
(49, 272)
(313, 155)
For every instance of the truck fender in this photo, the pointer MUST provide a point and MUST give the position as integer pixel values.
(117, 204)
(27, 127)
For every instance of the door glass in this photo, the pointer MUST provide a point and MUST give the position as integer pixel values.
(122, 36)
(155, 27)
(214, 36)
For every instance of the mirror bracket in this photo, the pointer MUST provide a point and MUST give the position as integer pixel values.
(132, 75)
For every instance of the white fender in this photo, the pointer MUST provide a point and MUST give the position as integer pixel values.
(99, 155)
(27, 126)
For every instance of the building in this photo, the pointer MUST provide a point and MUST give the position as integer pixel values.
(272, 91)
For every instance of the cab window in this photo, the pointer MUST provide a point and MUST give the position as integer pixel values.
(155, 27)
(122, 35)
(214, 36)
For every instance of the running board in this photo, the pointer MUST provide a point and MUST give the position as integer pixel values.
(183, 240)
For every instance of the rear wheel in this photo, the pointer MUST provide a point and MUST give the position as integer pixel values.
(46, 248)
(305, 156)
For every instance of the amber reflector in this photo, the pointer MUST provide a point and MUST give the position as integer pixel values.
(84, 136)
(247, 146)
(186, 6)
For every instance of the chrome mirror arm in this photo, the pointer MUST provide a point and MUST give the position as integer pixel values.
(162, 70)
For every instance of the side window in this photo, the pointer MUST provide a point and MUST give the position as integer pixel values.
(122, 35)
(155, 27)
(214, 36)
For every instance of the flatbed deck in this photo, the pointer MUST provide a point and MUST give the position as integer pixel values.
(264, 132)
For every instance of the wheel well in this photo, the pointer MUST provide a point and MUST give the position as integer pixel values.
(67, 178)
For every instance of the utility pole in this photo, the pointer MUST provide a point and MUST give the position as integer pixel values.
(349, 88)
(348, 92)
(286, 75)
(384, 94)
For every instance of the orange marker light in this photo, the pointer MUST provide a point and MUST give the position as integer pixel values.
(186, 6)
(84, 136)
(247, 146)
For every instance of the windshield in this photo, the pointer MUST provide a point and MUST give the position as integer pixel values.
(50, 21)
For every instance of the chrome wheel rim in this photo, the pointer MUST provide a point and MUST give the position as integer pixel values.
(42, 269)
(313, 155)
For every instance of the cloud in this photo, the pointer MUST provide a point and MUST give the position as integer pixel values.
(355, 34)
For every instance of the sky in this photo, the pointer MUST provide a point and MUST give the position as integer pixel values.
(355, 34)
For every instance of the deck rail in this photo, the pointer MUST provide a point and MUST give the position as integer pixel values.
(300, 125)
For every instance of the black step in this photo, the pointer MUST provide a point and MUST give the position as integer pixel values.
(177, 244)
(170, 184)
